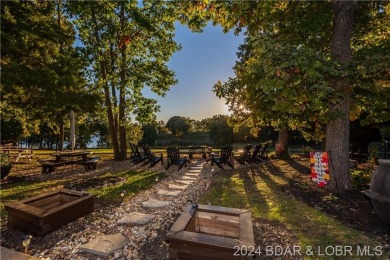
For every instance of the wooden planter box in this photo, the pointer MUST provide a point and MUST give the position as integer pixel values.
(45, 213)
(5, 170)
(210, 232)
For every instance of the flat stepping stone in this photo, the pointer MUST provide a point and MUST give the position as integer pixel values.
(105, 245)
(136, 218)
(153, 203)
(9, 254)
(188, 178)
(178, 187)
(169, 193)
(195, 171)
(187, 182)
(189, 174)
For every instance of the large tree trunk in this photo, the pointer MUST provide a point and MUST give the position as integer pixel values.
(61, 138)
(122, 100)
(281, 148)
(337, 131)
(111, 127)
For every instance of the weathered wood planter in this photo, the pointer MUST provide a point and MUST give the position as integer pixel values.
(5, 170)
(210, 232)
(45, 213)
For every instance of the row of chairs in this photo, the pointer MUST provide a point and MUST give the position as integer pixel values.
(252, 157)
(147, 157)
(227, 157)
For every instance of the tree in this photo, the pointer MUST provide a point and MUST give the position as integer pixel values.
(178, 125)
(149, 134)
(128, 45)
(297, 71)
(42, 72)
(220, 131)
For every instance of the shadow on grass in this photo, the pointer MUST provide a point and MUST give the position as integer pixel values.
(297, 166)
(131, 186)
(268, 192)
(26, 189)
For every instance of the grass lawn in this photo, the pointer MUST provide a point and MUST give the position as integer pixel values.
(261, 189)
(106, 185)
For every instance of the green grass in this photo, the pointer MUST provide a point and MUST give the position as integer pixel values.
(132, 182)
(259, 189)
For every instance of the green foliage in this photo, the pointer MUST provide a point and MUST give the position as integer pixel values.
(149, 134)
(11, 129)
(220, 132)
(361, 177)
(284, 75)
(42, 72)
(128, 45)
(178, 125)
(4, 159)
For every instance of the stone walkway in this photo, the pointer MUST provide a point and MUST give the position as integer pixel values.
(143, 220)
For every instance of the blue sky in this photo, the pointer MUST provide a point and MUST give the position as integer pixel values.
(204, 59)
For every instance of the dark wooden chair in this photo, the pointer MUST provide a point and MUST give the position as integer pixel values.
(244, 157)
(263, 156)
(151, 158)
(255, 156)
(175, 159)
(225, 157)
(136, 157)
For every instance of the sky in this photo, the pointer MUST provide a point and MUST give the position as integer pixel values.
(204, 59)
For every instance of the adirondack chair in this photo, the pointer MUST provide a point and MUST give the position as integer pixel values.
(137, 157)
(224, 158)
(244, 156)
(263, 156)
(255, 157)
(151, 158)
(175, 159)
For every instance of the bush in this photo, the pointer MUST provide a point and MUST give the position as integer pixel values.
(361, 177)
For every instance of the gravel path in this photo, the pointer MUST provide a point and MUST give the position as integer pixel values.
(145, 242)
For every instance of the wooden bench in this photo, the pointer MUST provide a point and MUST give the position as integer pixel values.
(90, 164)
(48, 166)
(203, 150)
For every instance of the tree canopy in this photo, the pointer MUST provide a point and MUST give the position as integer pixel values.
(304, 65)
(178, 125)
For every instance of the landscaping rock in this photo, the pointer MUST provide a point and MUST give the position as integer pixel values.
(9, 254)
(169, 193)
(136, 218)
(153, 203)
(105, 245)
(178, 187)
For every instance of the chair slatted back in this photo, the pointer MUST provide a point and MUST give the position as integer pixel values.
(226, 152)
(247, 151)
(148, 153)
(173, 154)
(256, 151)
(134, 149)
(263, 153)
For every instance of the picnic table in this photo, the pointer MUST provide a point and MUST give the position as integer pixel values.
(16, 152)
(72, 157)
(191, 150)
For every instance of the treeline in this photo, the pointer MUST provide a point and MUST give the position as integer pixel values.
(215, 130)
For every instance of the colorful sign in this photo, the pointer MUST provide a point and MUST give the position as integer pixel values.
(319, 165)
